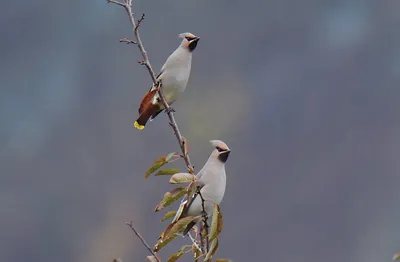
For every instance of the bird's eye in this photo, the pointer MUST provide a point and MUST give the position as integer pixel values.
(219, 149)
(189, 38)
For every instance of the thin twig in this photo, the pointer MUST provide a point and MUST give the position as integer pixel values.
(128, 41)
(129, 224)
(115, 2)
(206, 227)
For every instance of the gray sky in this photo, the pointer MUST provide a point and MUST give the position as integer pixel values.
(305, 93)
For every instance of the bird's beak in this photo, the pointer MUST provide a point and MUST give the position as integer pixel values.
(196, 39)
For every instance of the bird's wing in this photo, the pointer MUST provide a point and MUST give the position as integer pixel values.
(184, 206)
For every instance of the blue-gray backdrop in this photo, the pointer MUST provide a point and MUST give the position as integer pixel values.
(306, 94)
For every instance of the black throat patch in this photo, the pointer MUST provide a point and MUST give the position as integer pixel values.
(193, 45)
(224, 156)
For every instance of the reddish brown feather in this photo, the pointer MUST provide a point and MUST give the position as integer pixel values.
(147, 100)
(147, 108)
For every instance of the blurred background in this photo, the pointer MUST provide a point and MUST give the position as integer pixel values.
(305, 93)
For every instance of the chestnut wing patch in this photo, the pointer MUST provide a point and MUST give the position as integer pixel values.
(147, 100)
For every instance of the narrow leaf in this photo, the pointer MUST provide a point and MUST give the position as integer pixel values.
(170, 155)
(216, 223)
(180, 178)
(174, 257)
(168, 215)
(159, 162)
(212, 250)
(170, 197)
(166, 231)
(191, 190)
(162, 242)
(180, 225)
(196, 252)
(167, 171)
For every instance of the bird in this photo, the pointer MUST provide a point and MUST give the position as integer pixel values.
(212, 181)
(174, 76)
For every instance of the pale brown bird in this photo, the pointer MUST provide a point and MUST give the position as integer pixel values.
(174, 77)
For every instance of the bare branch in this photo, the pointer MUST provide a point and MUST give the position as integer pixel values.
(129, 224)
(115, 2)
(125, 40)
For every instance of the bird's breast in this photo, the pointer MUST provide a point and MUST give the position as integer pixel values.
(174, 82)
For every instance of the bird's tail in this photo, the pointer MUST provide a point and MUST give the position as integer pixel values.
(150, 111)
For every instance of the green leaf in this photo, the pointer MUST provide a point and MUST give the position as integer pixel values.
(170, 155)
(180, 178)
(170, 197)
(159, 162)
(196, 252)
(180, 225)
(162, 242)
(174, 257)
(167, 171)
(216, 223)
(168, 215)
(212, 250)
(171, 232)
(396, 256)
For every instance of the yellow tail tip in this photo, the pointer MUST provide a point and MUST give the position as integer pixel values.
(136, 124)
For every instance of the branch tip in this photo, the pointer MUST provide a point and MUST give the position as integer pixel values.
(128, 41)
(115, 2)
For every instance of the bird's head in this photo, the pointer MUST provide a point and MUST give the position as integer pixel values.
(221, 151)
(189, 41)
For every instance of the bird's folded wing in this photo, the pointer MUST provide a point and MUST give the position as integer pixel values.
(184, 206)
